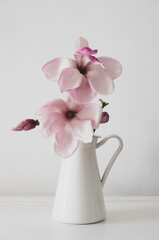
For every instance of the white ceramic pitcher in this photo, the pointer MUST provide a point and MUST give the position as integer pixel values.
(79, 196)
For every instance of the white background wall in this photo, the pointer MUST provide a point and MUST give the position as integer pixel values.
(35, 31)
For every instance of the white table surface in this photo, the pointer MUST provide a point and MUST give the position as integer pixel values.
(31, 219)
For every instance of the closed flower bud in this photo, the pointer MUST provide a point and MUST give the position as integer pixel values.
(105, 117)
(26, 125)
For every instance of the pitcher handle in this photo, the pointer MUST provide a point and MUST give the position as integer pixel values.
(112, 160)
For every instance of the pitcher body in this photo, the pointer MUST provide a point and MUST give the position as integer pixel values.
(79, 196)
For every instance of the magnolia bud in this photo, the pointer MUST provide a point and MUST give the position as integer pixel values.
(26, 125)
(105, 117)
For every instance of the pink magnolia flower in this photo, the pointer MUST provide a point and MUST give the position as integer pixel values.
(104, 117)
(85, 76)
(69, 122)
(26, 125)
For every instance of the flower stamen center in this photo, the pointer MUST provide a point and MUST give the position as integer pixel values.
(82, 70)
(70, 114)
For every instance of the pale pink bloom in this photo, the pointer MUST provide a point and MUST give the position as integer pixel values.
(83, 78)
(26, 125)
(104, 117)
(69, 123)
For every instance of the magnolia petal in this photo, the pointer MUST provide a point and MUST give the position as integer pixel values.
(65, 142)
(70, 78)
(87, 51)
(92, 112)
(100, 81)
(80, 43)
(53, 68)
(72, 105)
(84, 93)
(95, 61)
(111, 66)
(57, 105)
(79, 60)
(82, 129)
(51, 124)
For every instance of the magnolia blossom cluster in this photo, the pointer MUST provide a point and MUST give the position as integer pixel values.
(80, 79)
